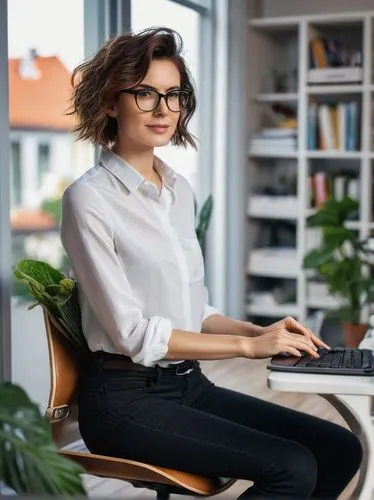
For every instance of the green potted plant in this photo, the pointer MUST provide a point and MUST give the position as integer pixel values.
(29, 460)
(203, 220)
(344, 263)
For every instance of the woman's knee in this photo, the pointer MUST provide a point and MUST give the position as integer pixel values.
(302, 471)
(351, 452)
(292, 475)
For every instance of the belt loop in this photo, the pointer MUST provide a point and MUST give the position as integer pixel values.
(158, 373)
(190, 368)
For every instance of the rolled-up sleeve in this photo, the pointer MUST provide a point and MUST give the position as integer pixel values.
(87, 237)
(208, 309)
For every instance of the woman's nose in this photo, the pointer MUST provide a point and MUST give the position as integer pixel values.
(162, 108)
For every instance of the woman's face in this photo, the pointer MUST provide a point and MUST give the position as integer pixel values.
(148, 129)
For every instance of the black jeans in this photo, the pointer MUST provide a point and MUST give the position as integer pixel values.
(187, 423)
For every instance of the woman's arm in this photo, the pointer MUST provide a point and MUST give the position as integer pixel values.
(220, 325)
(190, 345)
(254, 341)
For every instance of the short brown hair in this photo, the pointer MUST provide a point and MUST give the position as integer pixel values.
(122, 63)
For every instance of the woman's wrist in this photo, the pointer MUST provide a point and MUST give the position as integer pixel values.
(253, 330)
(246, 347)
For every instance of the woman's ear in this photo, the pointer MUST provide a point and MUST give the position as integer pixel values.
(112, 111)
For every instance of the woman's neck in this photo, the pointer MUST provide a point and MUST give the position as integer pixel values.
(140, 160)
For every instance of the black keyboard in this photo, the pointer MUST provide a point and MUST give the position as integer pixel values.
(335, 361)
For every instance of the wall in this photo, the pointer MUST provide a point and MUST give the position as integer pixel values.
(304, 7)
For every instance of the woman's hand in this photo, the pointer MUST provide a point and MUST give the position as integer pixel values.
(286, 335)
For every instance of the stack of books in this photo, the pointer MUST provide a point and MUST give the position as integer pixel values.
(333, 127)
(273, 261)
(274, 140)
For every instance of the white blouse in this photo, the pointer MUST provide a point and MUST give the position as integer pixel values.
(136, 258)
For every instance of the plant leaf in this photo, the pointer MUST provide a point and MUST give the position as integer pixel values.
(316, 257)
(29, 460)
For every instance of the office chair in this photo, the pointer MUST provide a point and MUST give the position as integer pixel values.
(62, 414)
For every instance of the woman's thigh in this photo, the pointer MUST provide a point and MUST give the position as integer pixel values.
(272, 419)
(181, 437)
(337, 451)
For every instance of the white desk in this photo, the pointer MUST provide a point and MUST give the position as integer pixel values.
(353, 397)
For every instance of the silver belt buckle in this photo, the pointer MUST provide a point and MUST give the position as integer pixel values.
(185, 372)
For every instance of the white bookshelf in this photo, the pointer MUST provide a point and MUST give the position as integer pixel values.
(283, 43)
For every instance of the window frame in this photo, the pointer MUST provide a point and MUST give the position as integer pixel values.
(5, 235)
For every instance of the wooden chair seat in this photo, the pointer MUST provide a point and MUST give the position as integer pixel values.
(62, 414)
(138, 472)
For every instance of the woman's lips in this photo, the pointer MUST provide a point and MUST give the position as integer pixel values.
(158, 129)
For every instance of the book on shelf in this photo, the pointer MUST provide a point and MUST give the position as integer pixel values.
(325, 185)
(331, 62)
(327, 52)
(333, 126)
(273, 140)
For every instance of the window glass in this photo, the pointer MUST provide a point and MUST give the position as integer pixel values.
(46, 41)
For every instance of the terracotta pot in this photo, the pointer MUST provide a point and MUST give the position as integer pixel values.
(354, 333)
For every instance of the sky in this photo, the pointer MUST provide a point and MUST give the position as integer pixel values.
(53, 27)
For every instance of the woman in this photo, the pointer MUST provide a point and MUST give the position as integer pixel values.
(128, 230)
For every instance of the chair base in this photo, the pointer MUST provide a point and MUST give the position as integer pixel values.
(163, 495)
(163, 491)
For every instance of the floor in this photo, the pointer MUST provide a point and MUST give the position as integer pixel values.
(248, 377)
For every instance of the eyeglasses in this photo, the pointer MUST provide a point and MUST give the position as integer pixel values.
(149, 100)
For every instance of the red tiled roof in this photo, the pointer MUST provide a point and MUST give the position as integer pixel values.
(31, 220)
(40, 103)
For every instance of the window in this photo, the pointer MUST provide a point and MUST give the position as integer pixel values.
(16, 173)
(39, 87)
(43, 162)
(186, 22)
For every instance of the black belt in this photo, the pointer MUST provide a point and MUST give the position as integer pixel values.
(110, 361)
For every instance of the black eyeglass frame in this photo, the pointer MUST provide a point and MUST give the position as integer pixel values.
(135, 93)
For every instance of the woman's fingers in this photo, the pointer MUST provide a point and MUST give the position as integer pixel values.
(299, 342)
(294, 352)
(318, 341)
(294, 326)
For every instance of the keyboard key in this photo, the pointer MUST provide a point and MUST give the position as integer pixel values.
(367, 359)
(357, 359)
